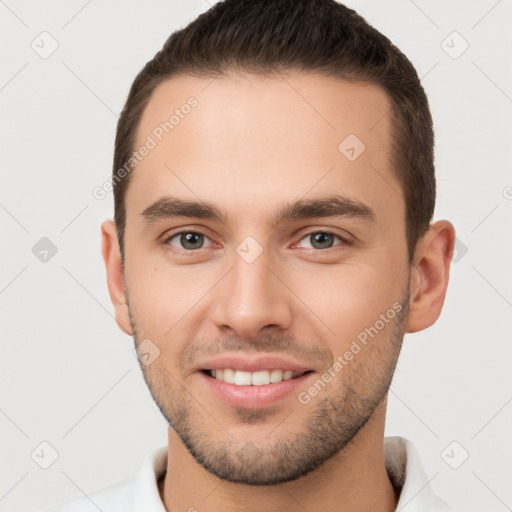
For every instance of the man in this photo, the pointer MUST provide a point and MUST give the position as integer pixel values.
(274, 189)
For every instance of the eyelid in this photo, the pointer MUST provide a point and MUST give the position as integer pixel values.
(309, 230)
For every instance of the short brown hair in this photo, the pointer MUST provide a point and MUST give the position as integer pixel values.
(267, 36)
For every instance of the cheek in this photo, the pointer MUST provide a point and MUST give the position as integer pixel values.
(157, 297)
(349, 298)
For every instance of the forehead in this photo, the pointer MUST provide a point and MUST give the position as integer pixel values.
(270, 138)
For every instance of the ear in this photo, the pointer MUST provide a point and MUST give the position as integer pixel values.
(112, 257)
(429, 275)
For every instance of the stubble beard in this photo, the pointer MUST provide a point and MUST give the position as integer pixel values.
(333, 419)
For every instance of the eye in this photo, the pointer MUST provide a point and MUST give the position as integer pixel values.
(321, 240)
(188, 240)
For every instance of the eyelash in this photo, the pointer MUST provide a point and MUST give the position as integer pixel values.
(344, 242)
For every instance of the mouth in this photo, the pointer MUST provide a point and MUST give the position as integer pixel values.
(249, 381)
(255, 378)
(257, 389)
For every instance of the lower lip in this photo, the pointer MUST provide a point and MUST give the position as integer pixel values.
(253, 397)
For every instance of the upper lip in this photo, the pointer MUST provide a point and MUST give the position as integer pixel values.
(244, 363)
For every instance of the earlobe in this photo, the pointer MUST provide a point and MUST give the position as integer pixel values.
(115, 279)
(430, 275)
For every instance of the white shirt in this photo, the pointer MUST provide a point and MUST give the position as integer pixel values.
(140, 493)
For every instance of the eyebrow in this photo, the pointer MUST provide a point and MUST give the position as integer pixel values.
(169, 207)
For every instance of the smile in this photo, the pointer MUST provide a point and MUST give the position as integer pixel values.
(257, 378)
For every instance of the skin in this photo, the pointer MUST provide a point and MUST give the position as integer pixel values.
(252, 145)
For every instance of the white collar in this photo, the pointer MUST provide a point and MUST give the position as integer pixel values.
(140, 493)
(406, 472)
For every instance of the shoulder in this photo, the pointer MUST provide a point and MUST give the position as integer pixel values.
(140, 492)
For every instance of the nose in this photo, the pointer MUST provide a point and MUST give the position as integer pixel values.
(253, 299)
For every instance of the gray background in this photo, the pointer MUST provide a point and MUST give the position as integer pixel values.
(68, 374)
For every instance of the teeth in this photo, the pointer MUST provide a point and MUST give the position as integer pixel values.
(276, 375)
(242, 378)
(227, 375)
(259, 378)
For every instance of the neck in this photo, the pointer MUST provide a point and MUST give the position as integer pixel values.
(354, 479)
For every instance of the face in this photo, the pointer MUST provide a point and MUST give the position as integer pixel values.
(261, 244)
